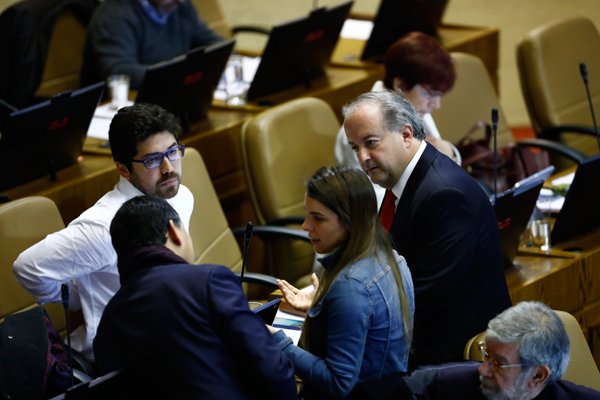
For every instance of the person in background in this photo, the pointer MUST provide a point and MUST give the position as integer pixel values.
(439, 220)
(144, 140)
(182, 331)
(359, 323)
(417, 66)
(526, 351)
(127, 36)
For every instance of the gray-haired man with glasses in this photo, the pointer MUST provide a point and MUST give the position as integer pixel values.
(526, 351)
(144, 141)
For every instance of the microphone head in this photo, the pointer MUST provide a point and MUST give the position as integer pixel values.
(64, 293)
(583, 71)
(494, 115)
(248, 233)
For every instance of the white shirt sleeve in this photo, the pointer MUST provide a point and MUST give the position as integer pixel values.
(81, 248)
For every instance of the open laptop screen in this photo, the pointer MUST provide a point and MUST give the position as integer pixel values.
(185, 84)
(581, 209)
(513, 209)
(44, 138)
(297, 51)
(397, 17)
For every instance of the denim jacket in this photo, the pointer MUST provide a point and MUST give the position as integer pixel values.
(357, 331)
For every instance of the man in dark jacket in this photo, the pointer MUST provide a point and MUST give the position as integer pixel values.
(126, 36)
(181, 331)
(441, 222)
(526, 351)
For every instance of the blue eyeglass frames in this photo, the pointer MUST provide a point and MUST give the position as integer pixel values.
(155, 160)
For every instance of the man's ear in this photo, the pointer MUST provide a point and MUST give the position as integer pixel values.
(540, 376)
(407, 134)
(173, 234)
(123, 170)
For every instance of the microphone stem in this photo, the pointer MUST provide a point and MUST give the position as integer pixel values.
(589, 96)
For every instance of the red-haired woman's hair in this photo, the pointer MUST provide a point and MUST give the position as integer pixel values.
(418, 58)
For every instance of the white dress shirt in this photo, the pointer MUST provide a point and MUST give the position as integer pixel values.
(82, 256)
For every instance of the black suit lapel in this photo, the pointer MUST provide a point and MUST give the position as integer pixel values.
(408, 194)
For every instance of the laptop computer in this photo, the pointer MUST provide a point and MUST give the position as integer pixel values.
(397, 17)
(185, 85)
(513, 210)
(268, 310)
(581, 209)
(297, 51)
(40, 140)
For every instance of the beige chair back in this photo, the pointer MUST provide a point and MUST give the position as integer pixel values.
(470, 100)
(548, 60)
(582, 368)
(211, 12)
(65, 56)
(23, 223)
(213, 240)
(281, 148)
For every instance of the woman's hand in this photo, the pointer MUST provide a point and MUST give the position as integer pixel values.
(300, 299)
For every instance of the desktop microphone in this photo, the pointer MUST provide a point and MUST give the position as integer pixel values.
(64, 294)
(584, 76)
(494, 132)
(247, 238)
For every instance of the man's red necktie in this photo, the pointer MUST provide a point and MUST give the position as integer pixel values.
(388, 208)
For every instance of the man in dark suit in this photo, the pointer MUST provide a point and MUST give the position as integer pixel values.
(442, 223)
(181, 331)
(526, 351)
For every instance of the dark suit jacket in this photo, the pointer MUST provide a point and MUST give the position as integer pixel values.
(462, 382)
(446, 229)
(183, 331)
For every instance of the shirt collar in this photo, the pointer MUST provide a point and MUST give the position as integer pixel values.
(152, 13)
(127, 188)
(398, 188)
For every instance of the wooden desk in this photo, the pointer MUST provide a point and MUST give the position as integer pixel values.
(479, 41)
(218, 141)
(337, 87)
(576, 291)
(78, 187)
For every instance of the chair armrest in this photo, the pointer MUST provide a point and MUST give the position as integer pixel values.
(554, 147)
(260, 279)
(554, 132)
(274, 232)
(291, 220)
(82, 364)
(263, 30)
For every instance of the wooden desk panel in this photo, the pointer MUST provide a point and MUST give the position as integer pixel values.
(482, 42)
(582, 284)
(555, 281)
(78, 187)
(337, 87)
(218, 141)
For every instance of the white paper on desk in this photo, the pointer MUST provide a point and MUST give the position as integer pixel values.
(101, 121)
(293, 334)
(356, 29)
(550, 202)
(564, 180)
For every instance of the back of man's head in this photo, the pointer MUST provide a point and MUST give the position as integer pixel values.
(141, 221)
(538, 333)
(132, 125)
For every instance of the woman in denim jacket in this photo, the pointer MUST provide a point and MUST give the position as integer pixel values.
(359, 321)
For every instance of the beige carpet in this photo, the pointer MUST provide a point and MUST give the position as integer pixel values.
(513, 17)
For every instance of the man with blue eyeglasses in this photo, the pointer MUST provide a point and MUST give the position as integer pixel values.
(144, 140)
(525, 353)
